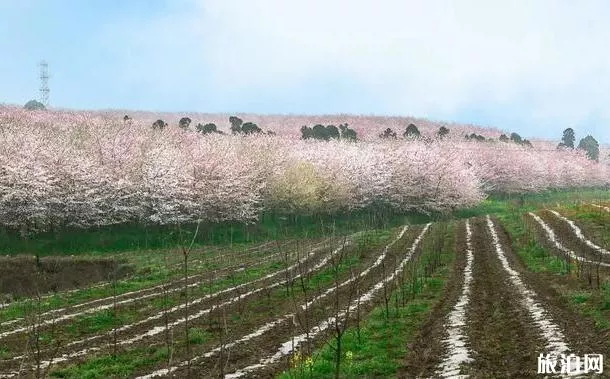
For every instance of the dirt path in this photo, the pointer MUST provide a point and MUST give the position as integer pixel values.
(265, 363)
(511, 316)
(498, 336)
(550, 238)
(425, 353)
(200, 307)
(245, 344)
(572, 237)
(504, 339)
(580, 334)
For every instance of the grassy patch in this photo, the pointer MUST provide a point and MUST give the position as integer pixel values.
(580, 297)
(99, 322)
(589, 302)
(381, 344)
(198, 336)
(124, 366)
(134, 237)
(108, 366)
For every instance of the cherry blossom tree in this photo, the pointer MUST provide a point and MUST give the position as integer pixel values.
(82, 169)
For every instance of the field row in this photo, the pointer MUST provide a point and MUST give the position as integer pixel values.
(286, 303)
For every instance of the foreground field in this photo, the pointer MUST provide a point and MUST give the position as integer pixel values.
(482, 296)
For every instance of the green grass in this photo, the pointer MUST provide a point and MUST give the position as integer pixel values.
(595, 304)
(108, 366)
(124, 367)
(381, 347)
(100, 322)
(198, 336)
(503, 204)
(589, 302)
(383, 341)
(383, 338)
(134, 237)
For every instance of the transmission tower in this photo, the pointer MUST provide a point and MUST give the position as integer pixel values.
(44, 83)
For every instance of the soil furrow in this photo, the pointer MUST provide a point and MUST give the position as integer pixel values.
(242, 254)
(268, 364)
(315, 310)
(425, 353)
(158, 292)
(579, 234)
(175, 319)
(579, 332)
(566, 252)
(504, 340)
(456, 342)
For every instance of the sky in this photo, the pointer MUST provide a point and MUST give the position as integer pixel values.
(530, 66)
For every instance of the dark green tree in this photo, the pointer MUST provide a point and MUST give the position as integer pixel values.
(34, 105)
(347, 133)
(207, 128)
(411, 132)
(475, 137)
(515, 138)
(442, 132)
(388, 133)
(332, 132)
(250, 128)
(568, 138)
(591, 146)
(236, 123)
(306, 132)
(504, 138)
(184, 122)
(159, 124)
(319, 132)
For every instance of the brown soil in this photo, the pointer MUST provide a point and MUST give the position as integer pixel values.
(580, 331)
(23, 276)
(503, 340)
(568, 238)
(252, 351)
(425, 353)
(145, 310)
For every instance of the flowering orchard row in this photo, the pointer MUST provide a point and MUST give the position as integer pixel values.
(73, 169)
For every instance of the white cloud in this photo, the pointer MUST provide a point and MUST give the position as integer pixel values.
(420, 57)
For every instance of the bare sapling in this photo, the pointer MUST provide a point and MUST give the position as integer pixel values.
(168, 335)
(223, 332)
(288, 272)
(340, 323)
(302, 314)
(386, 299)
(36, 326)
(114, 309)
(185, 254)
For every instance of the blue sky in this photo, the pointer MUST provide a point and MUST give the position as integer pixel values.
(535, 67)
